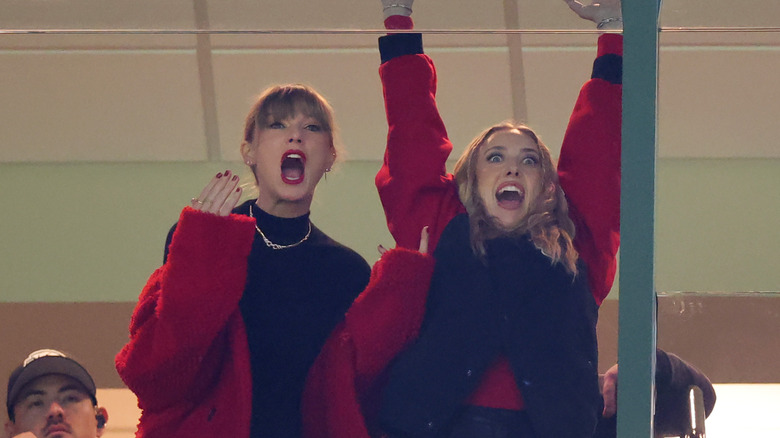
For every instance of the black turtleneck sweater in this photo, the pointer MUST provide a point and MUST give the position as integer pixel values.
(293, 299)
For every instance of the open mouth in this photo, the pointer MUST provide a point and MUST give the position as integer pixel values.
(510, 196)
(293, 164)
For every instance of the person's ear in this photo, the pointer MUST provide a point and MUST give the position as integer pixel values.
(101, 415)
(332, 158)
(246, 152)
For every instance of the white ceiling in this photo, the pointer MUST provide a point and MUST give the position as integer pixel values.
(135, 80)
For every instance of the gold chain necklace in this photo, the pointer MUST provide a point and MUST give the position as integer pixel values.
(272, 245)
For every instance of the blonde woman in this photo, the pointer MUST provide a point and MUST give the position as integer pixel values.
(524, 253)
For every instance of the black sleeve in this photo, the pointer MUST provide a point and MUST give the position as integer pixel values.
(673, 379)
(608, 67)
(399, 44)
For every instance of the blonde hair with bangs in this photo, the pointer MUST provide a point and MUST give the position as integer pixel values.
(285, 101)
(280, 102)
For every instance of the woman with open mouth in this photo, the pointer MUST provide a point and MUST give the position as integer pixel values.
(503, 343)
(226, 330)
(508, 342)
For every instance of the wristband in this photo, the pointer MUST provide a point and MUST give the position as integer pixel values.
(397, 9)
(606, 21)
(397, 5)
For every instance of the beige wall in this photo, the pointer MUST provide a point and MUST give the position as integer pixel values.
(94, 232)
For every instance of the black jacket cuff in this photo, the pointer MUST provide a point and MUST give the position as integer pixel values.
(399, 44)
(608, 67)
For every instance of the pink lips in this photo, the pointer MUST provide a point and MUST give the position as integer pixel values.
(510, 195)
(293, 166)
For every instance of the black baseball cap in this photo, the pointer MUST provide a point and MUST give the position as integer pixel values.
(42, 363)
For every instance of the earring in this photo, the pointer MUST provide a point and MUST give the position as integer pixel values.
(334, 159)
(248, 163)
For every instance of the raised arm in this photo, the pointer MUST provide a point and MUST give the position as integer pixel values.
(413, 183)
(589, 165)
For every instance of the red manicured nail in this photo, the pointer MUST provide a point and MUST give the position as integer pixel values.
(219, 175)
(227, 172)
(235, 177)
(238, 189)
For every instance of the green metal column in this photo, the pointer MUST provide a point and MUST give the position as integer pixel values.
(637, 334)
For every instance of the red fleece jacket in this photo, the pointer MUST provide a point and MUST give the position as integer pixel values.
(188, 358)
(417, 191)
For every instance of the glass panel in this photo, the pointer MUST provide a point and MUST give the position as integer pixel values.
(288, 15)
(292, 15)
(720, 13)
(716, 96)
(733, 338)
(97, 14)
(716, 233)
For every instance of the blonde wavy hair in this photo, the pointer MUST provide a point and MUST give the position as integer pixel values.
(547, 224)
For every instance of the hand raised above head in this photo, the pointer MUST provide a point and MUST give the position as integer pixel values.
(397, 7)
(220, 195)
(597, 11)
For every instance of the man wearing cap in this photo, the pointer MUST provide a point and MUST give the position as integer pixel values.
(51, 395)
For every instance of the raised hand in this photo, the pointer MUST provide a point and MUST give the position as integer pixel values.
(598, 11)
(397, 7)
(220, 195)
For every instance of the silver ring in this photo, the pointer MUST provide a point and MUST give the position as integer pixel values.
(196, 201)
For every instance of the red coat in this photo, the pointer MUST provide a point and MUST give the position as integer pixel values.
(188, 358)
(416, 189)
(204, 390)
(380, 323)
(416, 192)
